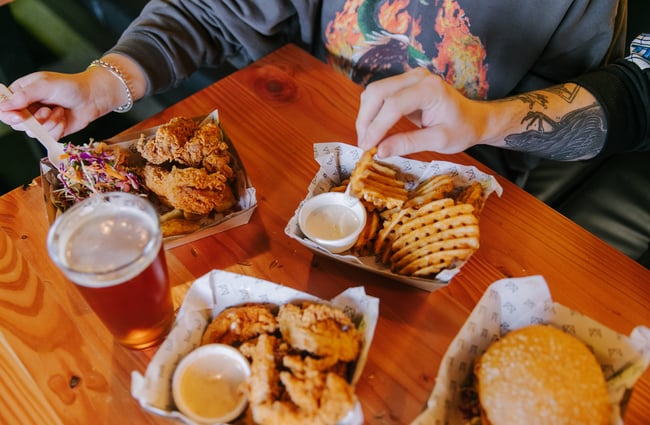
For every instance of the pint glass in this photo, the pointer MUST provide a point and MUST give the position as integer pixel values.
(110, 246)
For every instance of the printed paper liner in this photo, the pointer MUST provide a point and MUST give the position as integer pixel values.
(212, 293)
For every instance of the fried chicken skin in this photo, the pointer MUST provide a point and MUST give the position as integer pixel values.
(320, 329)
(183, 141)
(300, 355)
(282, 397)
(192, 190)
(236, 325)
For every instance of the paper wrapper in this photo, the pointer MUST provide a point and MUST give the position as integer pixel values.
(337, 160)
(207, 297)
(213, 224)
(510, 304)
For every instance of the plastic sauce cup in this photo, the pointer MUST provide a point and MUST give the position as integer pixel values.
(207, 384)
(333, 220)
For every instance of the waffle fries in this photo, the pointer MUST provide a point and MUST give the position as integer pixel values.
(419, 232)
(377, 183)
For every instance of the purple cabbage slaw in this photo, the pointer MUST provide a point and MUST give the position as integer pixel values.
(93, 168)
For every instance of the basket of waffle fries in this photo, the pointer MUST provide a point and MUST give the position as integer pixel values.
(306, 354)
(462, 393)
(422, 218)
(187, 167)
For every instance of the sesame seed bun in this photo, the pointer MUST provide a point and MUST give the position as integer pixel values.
(541, 375)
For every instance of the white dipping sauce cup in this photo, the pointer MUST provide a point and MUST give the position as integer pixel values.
(207, 384)
(333, 220)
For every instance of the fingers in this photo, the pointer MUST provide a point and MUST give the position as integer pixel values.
(385, 102)
(435, 138)
(62, 103)
(52, 119)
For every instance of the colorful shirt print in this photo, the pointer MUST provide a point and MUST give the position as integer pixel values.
(374, 39)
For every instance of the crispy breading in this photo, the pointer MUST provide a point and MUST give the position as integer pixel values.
(263, 383)
(319, 329)
(238, 324)
(169, 138)
(193, 190)
(293, 380)
(183, 141)
(207, 148)
(301, 394)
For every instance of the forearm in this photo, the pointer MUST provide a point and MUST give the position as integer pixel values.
(623, 91)
(563, 123)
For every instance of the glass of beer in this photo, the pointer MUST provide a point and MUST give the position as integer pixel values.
(110, 246)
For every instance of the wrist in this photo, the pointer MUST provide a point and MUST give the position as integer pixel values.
(119, 81)
(123, 80)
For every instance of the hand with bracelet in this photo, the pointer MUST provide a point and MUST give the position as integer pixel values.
(67, 103)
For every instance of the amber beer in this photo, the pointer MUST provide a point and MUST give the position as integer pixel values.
(110, 246)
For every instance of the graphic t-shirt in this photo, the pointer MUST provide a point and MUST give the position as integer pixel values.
(484, 49)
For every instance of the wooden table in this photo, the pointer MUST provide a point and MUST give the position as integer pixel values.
(59, 365)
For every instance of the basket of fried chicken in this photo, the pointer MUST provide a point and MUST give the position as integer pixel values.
(305, 354)
(187, 167)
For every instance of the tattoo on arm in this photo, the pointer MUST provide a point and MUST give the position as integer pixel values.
(579, 134)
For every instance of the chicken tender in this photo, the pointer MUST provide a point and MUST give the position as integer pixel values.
(236, 325)
(280, 397)
(264, 382)
(192, 190)
(320, 329)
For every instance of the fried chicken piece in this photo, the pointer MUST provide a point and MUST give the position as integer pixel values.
(316, 398)
(207, 148)
(169, 138)
(236, 325)
(320, 329)
(192, 190)
(263, 382)
(306, 366)
(182, 141)
(325, 395)
(337, 400)
(290, 386)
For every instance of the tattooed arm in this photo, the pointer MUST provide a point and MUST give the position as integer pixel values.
(602, 112)
(563, 122)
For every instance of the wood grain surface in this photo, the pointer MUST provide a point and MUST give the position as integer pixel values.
(60, 364)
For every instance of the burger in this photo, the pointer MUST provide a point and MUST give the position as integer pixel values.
(540, 375)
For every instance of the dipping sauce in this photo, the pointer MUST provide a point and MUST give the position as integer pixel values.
(208, 384)
(331, 222)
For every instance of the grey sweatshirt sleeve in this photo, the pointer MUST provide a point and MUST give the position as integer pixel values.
(173, 38)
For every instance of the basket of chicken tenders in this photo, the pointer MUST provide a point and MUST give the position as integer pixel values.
(521, 358)
(421, 218)
(299, 357)
(187, 167)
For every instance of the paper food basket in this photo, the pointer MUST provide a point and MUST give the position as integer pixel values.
(206, 298)
(337, 160)
(213, 224)
(510, 304)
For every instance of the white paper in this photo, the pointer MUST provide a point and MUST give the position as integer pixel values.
(206, 298)
(514, 303)
(337, 160)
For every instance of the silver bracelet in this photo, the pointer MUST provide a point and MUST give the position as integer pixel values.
(120, 76)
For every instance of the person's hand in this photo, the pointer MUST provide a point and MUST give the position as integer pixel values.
(67, 103)
(448, 121)
(63, 103)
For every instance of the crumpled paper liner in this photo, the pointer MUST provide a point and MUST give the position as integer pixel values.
(337, 160)
(207, 297)
(243, 189)
(514, 303)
